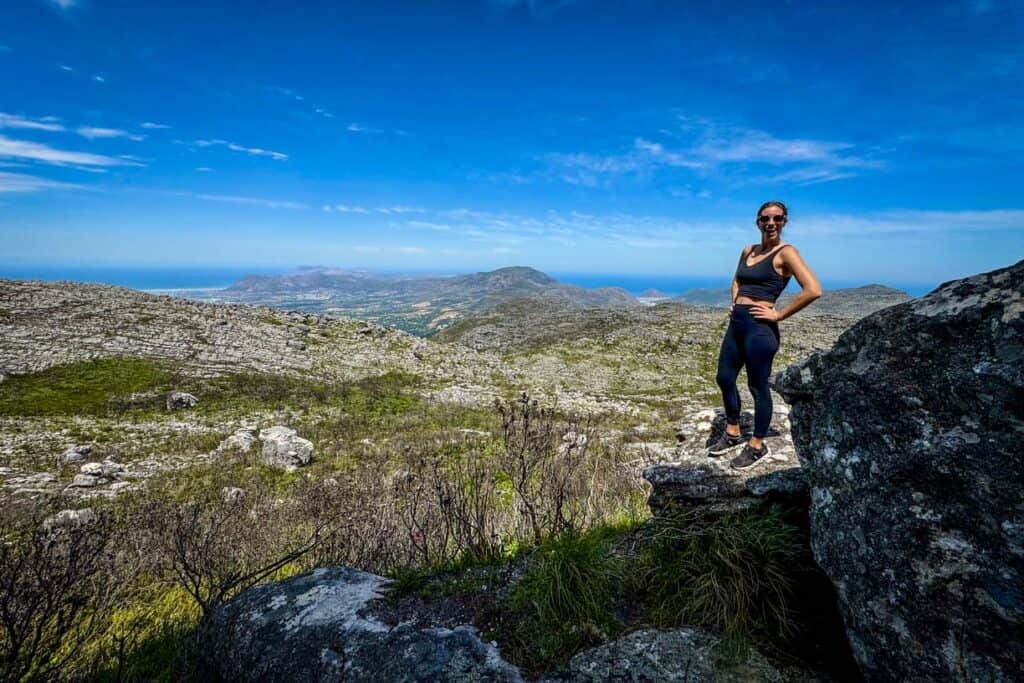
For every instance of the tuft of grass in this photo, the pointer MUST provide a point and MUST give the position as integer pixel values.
(729, 573)
(567, 597)
(91, 387)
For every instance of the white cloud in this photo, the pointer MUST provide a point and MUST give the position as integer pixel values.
(65, 67)
(341, 208)
(252, 201)
(99, 79)
(23, 149)
(101, 133)
(13, 121)
(149, 125)
(19, 182)
(706, 146)
(64, 5)
(203, 169)
(253, 151)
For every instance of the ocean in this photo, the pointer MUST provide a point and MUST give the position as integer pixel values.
(184, 278)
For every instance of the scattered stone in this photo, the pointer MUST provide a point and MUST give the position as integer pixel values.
(70, 519)
(321, 626)
(231, 494)
(77, 453)
(572, 441)
(92, 468)
(283, 448)
(911, 430)
(109, 468)
(241, 441)
(179, 400)
(84, 481)
(119, 486)
(685, 655)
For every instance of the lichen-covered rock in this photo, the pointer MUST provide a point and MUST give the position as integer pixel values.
(180, 400)
(692, 477)
(912, 426)
(282, 447)
(686, 655)
(320, 626)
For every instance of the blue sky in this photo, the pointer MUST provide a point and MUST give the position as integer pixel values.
(630, 137)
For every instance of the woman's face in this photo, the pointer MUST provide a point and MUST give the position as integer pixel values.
(770, 222)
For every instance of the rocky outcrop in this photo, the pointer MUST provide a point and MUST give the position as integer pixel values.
(912, 428)
(685, 655)
(284, 448)
(180, 400)
(321, 626)
(692, 477)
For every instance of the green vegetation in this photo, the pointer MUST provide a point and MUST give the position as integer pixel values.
(85, 388)
(730, 573)
(567, 596)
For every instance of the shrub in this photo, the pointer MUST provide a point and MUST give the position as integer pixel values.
(56, 583)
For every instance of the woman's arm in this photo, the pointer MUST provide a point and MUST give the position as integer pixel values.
(810, 287)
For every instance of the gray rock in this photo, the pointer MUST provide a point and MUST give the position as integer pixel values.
(231, 494)
(84, 481)
(92, 468)
(283, 448)
(76, 453)
(321, 626)
(691, 477)
(179, 400)
(69, 519)
(911, 426)
(686, 655)
(241, 441)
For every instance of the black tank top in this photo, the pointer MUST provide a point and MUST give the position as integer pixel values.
(760, 281)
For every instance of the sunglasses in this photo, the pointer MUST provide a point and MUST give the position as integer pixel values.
(771, 219)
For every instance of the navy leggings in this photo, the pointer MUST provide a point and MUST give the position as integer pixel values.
(753, 343)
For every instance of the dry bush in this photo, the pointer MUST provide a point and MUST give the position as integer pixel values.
(222, 540)
(57, 581)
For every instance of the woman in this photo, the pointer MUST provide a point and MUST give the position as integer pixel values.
(753, 335)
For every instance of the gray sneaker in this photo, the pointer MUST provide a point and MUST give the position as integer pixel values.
(725, 443)
(749, 457)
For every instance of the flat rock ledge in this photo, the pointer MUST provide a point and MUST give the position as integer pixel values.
(686, 655)
(321, 626)
(693, 478)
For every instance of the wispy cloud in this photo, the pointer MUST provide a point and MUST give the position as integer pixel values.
(63, 5)
(19, 182)
(93, 133)
(149, 125)
(250, 201)
(254, 151)
(34, 151)
(65, 67)
(99, 79)
(702, 146)
(369, 130)
(13, 121)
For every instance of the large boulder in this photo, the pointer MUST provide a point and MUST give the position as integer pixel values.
(912, 429)
(321, 626)
(283, 448)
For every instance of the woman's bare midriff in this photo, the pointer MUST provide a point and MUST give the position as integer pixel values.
(748, 300)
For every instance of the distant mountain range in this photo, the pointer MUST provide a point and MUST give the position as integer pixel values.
(853, 302)
(418, 304)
